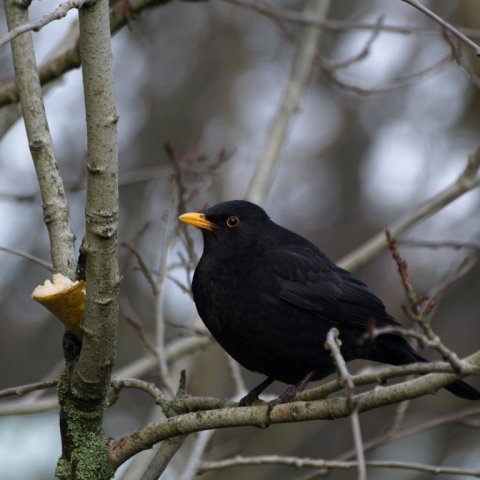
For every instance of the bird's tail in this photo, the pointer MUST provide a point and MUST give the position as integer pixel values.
(402, 356)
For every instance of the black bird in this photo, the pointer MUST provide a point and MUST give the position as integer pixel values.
(269, 297)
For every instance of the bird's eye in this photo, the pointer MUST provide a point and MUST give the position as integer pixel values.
(233, 221)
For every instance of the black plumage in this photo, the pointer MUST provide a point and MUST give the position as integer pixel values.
(269, 297)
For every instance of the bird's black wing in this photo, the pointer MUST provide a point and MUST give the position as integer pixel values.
(303, 276)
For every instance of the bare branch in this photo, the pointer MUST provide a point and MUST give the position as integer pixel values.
(142, 265)
(413, 299)
(36, 25)
(185, 346)
(69, 58)
(429, 339)
(101, 211)
(457, 245)
(380, 375)
(175, 350)
(147, 387)
(191, 468)
(429, 424)
(166, 244)
(262, 178)
(28, 256)
(333, 344)
(84, 384)
(24, 389)
(55, 207)
(444, 24)
(467, 181)
(298, 462)
(21, 408)
(277, 13)
(162, 458)
(391, 432)
(136, 323)
(416, 313)
(395, 84)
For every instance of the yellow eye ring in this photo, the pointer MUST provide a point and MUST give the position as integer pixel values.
(233, 221)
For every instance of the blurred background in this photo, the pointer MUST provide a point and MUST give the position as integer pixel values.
(389, 131)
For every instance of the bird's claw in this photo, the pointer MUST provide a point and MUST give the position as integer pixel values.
(249, 399)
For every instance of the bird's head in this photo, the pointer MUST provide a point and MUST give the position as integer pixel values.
(229, 226)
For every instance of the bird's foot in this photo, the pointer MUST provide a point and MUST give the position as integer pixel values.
(287, 396)
(291, 392)
(249, 399)
(252, 396)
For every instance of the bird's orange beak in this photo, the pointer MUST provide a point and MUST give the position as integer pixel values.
(197, 220)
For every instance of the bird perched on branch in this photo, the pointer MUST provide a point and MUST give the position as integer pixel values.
(269, 297)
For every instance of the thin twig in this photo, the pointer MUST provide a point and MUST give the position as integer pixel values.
(69, 57)
(457, 245)
(194, 461)
(430, 340)
(162, 458)
(333, 344)
(24, 389)
(28, 256)
(39, 405)
(175, 350)
(300, 74)
(299, 462)
(416, 314)
(401, 82)
(467, 181)
(277, 13)
(166, 244)
(462, 269)
(54, 202)
(36, 25)
(135, 241)
(414, 300)
(133, 319)
(364, 52)
(436, 422)
(389, 434)
(444, 24)
(358, 442)
(141, 265)
(147, 387)
(381, 375)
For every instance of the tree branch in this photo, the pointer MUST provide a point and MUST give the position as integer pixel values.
(332, 25)
(69, 58)
(333, 344)
(28, 256)
(124, 448)
(298, 462)
(467, 181)
(24, 389)
(55, 207)
(84, 384)
(36, 25)
(447, 26)
(100, 243)
(263, 175)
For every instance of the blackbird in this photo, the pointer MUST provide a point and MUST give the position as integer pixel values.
(269, 297)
